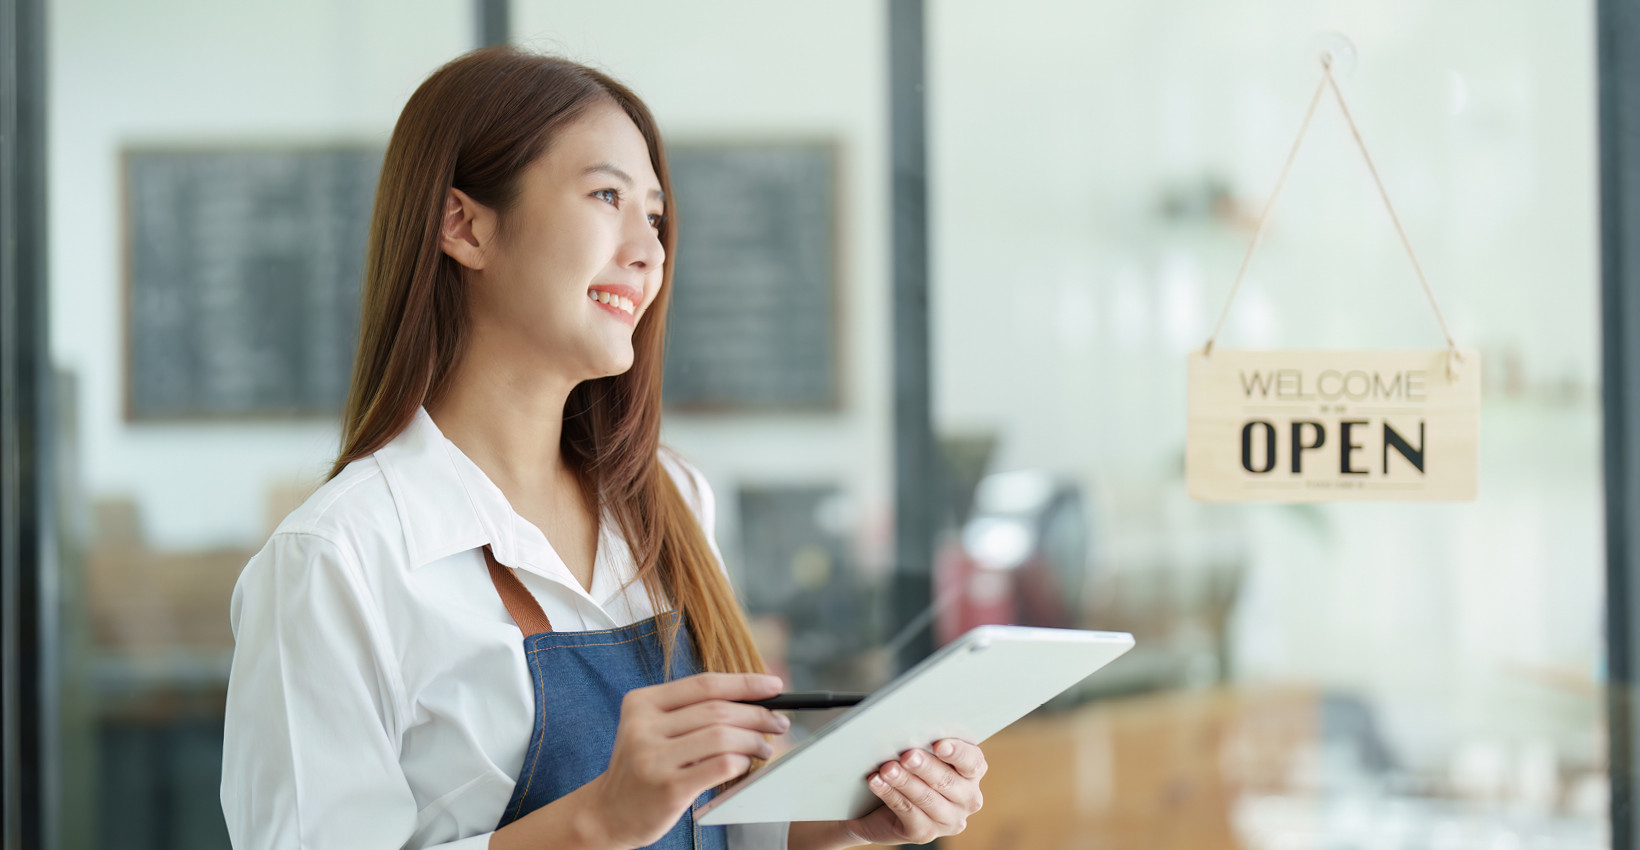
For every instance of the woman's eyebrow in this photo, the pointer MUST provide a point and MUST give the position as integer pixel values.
(618, 174)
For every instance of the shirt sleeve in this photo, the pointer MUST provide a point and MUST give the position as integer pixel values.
(310, 752)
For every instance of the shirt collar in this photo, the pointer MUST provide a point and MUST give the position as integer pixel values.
(447, 505)
(436, 505)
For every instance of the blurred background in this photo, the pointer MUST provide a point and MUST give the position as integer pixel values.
(1320, 676)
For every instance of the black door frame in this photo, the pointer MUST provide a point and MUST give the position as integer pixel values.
(918, 496)
(27, 615)
(1619, 96)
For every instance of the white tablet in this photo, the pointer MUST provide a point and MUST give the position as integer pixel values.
(970, 689)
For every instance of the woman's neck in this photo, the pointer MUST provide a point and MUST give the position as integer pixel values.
(507, 415)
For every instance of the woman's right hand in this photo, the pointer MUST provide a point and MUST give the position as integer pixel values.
(674, 741)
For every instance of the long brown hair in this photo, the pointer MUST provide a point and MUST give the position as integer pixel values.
(474, 125)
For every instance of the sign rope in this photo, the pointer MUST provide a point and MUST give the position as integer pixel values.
(1327, 82)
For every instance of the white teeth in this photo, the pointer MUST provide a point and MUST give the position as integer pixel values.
(612, 300)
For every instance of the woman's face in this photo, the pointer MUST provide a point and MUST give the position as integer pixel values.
(579, 258)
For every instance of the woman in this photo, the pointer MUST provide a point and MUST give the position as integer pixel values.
(501, 473)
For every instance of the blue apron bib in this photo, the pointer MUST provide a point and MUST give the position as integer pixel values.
(579, 680)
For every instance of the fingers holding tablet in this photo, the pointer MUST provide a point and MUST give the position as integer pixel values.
(925, 794)
(963, 757)
(955, 779)
(911, 824)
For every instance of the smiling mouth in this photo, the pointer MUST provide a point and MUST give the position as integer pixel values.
(623, 304)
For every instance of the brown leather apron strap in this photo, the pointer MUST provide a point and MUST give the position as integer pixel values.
(525, 611)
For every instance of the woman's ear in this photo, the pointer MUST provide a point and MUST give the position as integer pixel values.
(466, 229)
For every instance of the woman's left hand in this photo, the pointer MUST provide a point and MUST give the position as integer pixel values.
(925, 795)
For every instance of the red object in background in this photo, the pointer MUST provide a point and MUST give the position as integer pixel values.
(1038, 551)
(969, 594)
(966, 594)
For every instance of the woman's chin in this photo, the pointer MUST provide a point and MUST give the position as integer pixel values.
(616, 365)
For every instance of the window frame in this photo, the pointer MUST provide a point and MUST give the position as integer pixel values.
(28, 632)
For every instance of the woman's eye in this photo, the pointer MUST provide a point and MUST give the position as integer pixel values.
(655, 220)
(608, 196)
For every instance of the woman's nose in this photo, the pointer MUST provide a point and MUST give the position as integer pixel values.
(642, 247)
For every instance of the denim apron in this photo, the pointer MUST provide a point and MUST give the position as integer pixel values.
(579, 679)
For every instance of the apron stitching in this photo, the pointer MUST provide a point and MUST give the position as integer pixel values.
(540, 741)
(581, 645)
(616, 630)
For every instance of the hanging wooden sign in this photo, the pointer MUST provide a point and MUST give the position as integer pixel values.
(1312, 426)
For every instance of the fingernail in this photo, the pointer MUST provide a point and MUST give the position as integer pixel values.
(783, 722)
(772, 681)
(913, 760)
(876, 781)
(945, 749)
(892, 772)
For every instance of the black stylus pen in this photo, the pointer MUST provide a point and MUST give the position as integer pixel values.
(807, 699)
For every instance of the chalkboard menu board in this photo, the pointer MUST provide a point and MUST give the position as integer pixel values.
(243, 279)
(245, 268)
(753, 323)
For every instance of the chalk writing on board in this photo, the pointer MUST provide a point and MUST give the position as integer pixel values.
(753, 322)
(244, 276)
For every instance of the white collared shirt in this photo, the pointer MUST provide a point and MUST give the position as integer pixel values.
(379, 696)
